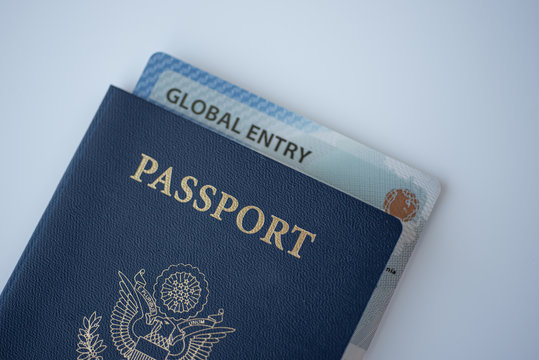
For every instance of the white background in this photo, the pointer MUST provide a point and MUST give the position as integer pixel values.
(451, 88)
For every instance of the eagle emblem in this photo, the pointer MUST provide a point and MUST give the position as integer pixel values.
(164, 325)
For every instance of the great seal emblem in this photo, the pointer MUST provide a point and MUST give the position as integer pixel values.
(162, 325)
(181, 291)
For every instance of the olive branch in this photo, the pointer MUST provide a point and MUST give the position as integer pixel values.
(89, 345)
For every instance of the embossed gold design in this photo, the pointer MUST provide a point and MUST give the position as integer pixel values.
(163, 326)
(207, 198)
(90, 346)
(180, 292)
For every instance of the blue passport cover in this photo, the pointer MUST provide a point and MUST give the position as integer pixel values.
(165, 240)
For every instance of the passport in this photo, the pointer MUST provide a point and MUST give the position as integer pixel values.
(165, 240)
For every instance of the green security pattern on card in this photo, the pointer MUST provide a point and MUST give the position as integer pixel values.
(322, 153)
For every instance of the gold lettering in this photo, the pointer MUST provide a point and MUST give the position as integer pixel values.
(303, 234)
(185, 187)
(259, 222)
(142, 167)
(272, 231)
(204, 196)
(221, 207)
(228, 203)
(164, 179)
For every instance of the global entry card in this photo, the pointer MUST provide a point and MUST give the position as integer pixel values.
(308, 147)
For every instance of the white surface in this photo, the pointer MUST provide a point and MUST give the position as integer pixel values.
(449, 87)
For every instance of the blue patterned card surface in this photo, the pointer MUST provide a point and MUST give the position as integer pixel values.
(308, 147)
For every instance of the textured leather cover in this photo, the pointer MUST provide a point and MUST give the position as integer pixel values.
(103, 226)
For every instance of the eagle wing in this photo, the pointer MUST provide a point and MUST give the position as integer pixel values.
(200, 344)
(126, 309)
